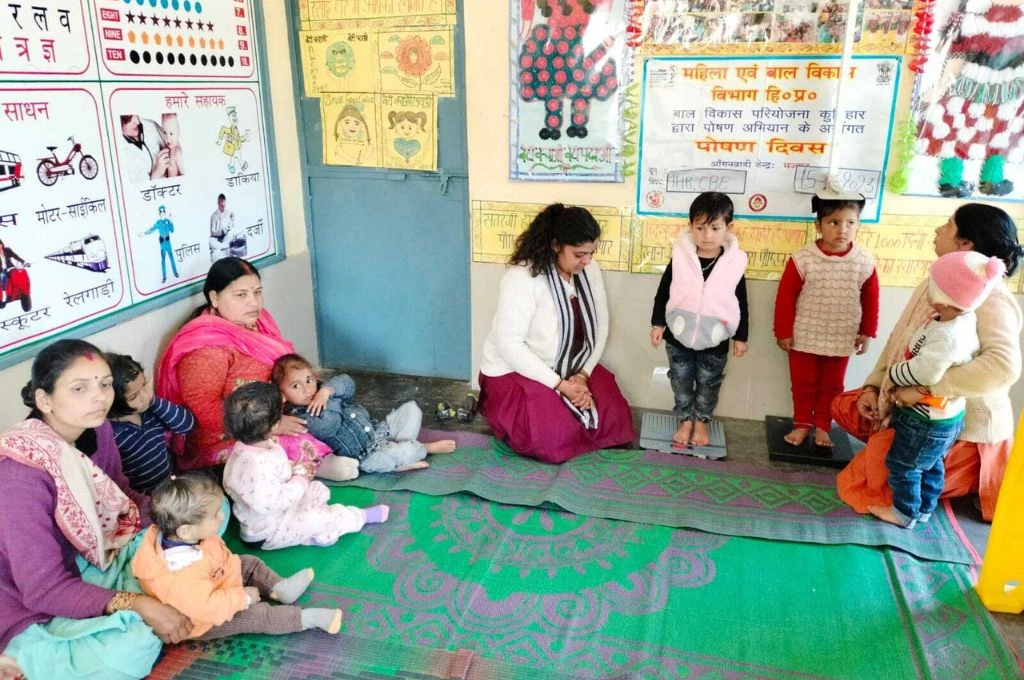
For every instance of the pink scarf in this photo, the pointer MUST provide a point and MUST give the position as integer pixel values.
(92, 512)
(264, 344)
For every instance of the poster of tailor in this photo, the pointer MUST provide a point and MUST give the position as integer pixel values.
(764, 130)
(192, 179)
(60, 256)
(569, 68)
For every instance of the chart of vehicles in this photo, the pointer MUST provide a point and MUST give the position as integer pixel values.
(122, 177)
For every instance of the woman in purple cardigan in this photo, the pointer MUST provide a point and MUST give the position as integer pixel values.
(69, 526)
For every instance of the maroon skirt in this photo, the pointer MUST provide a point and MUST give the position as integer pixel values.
(534, 421)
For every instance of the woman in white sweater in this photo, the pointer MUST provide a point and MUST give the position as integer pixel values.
(542, 389)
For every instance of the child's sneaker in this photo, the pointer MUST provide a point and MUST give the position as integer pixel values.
(444, 411)
(467, 409)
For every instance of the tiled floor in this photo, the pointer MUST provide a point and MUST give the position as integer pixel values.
(745, 439)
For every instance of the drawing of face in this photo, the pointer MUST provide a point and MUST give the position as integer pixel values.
(351, 127)
(233, 116)
(340, 59)
(406, 128)
(220, 204)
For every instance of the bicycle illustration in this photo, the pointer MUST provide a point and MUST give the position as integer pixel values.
(52, 168)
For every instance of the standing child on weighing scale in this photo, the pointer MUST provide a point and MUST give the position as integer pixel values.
(700, 305)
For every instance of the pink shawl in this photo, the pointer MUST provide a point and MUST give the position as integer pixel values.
(92, 511)
(265, 344)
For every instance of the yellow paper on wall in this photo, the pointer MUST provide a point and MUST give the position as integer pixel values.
(408, 124)
(496, 225)
(351, 128)
(416, 60)
(338, 61)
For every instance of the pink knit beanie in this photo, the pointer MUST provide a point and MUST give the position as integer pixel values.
(964, 279)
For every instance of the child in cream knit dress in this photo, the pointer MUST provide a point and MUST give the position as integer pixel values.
(826, 309)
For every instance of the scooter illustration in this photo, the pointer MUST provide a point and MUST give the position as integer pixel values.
(52, 168)
(18, 286)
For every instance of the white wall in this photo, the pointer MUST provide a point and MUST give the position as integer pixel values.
(287, 285)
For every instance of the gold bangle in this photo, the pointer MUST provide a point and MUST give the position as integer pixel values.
(121, 601)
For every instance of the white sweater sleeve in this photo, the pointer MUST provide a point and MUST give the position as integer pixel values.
(601, 305)
(929, 364)
(517, 305)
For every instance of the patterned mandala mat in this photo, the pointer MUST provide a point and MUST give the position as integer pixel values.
(460, 587)
(681, 492)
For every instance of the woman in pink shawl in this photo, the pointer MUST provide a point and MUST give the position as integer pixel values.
(229, 341)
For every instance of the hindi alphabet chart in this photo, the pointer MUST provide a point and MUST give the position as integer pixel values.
(762, 129)
(115, 192)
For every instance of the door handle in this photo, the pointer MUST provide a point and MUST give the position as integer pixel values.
(445, 181)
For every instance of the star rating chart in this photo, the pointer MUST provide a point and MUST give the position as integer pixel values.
(133, 153)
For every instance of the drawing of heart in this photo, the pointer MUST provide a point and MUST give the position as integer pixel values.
(407, 148)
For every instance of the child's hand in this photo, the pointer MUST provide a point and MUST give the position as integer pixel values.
(289, 425)
(316, 407)
(738, 348)
(785, 344)
(253, 594)
(861, 344)
(657, 333)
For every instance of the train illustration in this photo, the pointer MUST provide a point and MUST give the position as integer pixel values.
(88, 253)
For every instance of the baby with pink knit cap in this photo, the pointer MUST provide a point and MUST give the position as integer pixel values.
(959, 283)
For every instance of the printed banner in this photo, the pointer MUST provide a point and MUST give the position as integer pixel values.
(569, 67)
(762, 130)
(417, 60)
(58, 227)
(380, 129)
(179, 150)
(769, 26)
(496, 226)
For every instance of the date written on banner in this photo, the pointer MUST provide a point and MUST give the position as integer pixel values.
(810, 179)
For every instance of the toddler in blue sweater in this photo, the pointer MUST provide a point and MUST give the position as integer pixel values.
(141, 421)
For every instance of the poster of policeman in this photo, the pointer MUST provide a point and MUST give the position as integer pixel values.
(133, 152)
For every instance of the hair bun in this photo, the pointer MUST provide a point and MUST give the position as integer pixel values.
(28, 395)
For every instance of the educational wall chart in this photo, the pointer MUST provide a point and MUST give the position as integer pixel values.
(569, 66)
(770, 26)
(968, 104)
(110, 191)
(761, 130)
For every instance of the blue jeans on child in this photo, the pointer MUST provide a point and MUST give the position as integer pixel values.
(916, 470)
(696, 377)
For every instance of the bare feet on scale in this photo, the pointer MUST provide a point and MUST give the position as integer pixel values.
(682, 434)
(442, 446)
(822, 438)
(797, 436)
(701, 435)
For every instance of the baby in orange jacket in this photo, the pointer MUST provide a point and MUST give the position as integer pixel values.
(183, 563)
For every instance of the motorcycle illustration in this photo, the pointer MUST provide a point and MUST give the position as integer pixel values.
(18, 286)
(51, 169)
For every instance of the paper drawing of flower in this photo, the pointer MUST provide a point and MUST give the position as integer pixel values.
(413, 55)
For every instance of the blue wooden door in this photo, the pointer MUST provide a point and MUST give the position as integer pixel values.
(390, 249)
